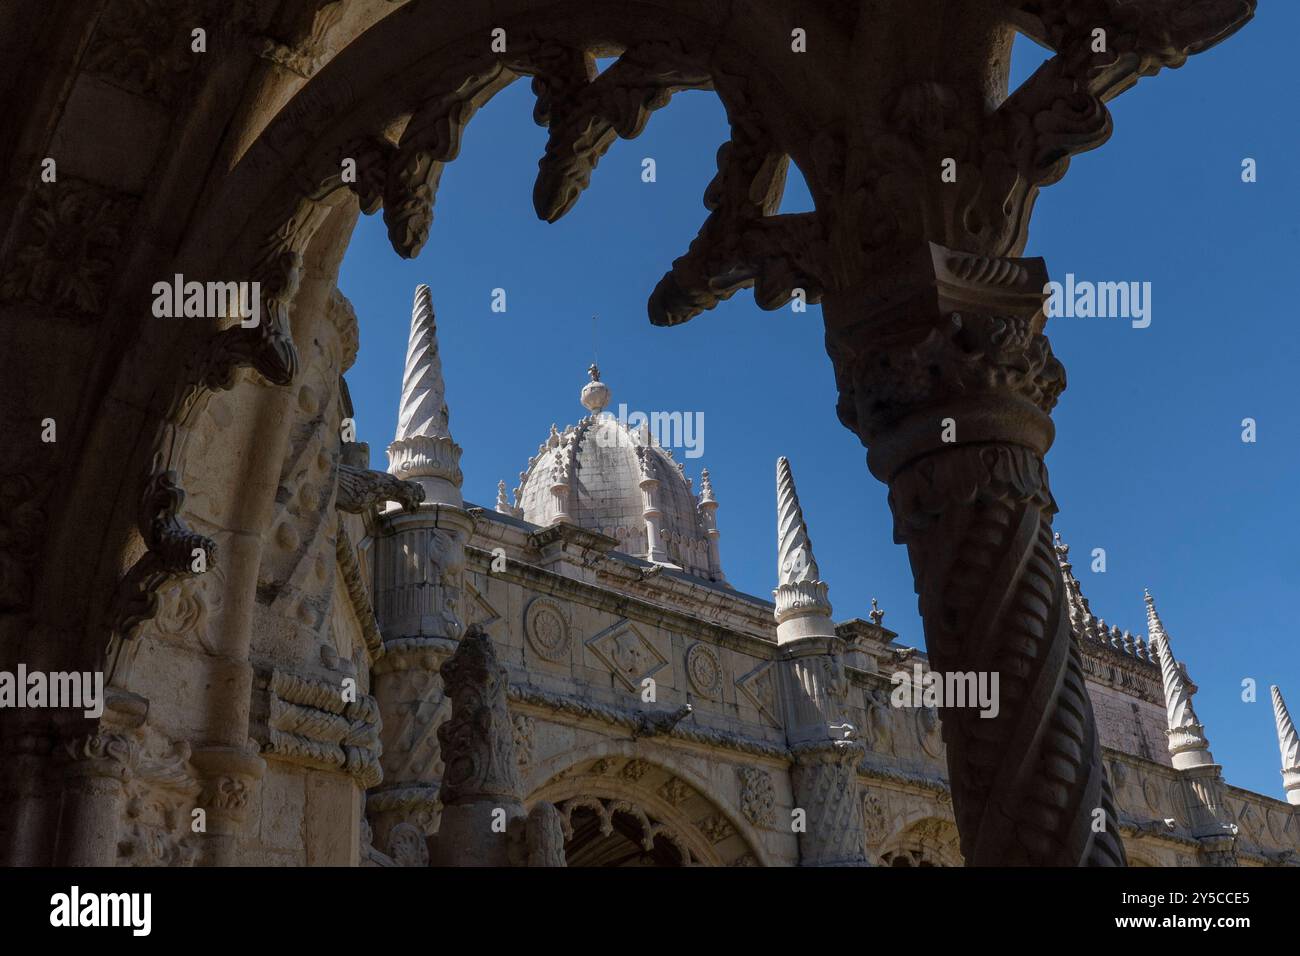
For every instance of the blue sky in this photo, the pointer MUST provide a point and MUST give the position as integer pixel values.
(1148, 464)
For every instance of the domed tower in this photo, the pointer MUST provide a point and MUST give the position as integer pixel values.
(605, 476)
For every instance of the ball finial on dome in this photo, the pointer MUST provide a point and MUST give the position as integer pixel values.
(595, 394)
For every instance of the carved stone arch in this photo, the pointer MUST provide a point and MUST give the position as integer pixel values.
(927, 841)
(1138, 858)
(395, 103)
(653, 783)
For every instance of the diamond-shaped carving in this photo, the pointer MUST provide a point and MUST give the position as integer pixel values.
(478, 610)
(759, 685)
(627, 652)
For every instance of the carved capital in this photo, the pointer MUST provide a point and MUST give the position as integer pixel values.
(951, 355)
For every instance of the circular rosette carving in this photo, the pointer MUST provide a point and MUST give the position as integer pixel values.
(547, 627)
(704, 670)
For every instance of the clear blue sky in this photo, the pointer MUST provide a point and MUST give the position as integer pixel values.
(1148, 463)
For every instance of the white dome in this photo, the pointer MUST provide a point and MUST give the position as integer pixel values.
(603, 476)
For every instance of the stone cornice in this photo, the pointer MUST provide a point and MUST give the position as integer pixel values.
(623, 605)
(636, 720)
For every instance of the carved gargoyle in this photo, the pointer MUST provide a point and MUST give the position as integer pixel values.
(360, 488)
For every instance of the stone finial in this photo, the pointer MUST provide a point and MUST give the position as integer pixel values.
(707, 506)
(1188, 745)
(1084, 624)
(706, 489)
(1289, 743)
(801, 595)
(877, 615)
(423, 411)
(595, 394)
(423, 448)
(503, 504)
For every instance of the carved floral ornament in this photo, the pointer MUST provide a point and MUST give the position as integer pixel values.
(547, 626)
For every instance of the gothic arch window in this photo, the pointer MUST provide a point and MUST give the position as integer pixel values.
(931, 841)
(626, 811)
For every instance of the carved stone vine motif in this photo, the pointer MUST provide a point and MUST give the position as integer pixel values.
(757, 797)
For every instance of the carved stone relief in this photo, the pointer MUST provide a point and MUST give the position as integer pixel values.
(704, 671)
(547, 626)
(757, 797)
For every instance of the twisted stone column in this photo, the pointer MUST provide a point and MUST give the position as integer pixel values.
(946, 376)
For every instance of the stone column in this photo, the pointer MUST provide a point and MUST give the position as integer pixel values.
(31, 808)
(94, 799)
(481, 791)
(946, 376)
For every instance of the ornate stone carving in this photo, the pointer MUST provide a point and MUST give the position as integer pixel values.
(743, 242)
(1187, 744)
(361, 489)
(825, 787)
(800, 590)
(547, 626)
(310, 722)
(156, 830)
(878, 728)
(875, 822)
(172, 553)
(759, 686)
(545, 836)
(408, 845)
(144, 46)
(628, 654)
(929, 730)
(704, 670)
(66, 248)
(617, 102)
(716, 828)
(1289, 745)
(525, 729)
(648, 829)
(478, 739)
(634, 770)
(757, 797)
(431, 140)
(676, 791)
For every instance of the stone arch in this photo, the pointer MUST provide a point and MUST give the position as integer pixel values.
(397, 104)
(926, 840)
(664, 797)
